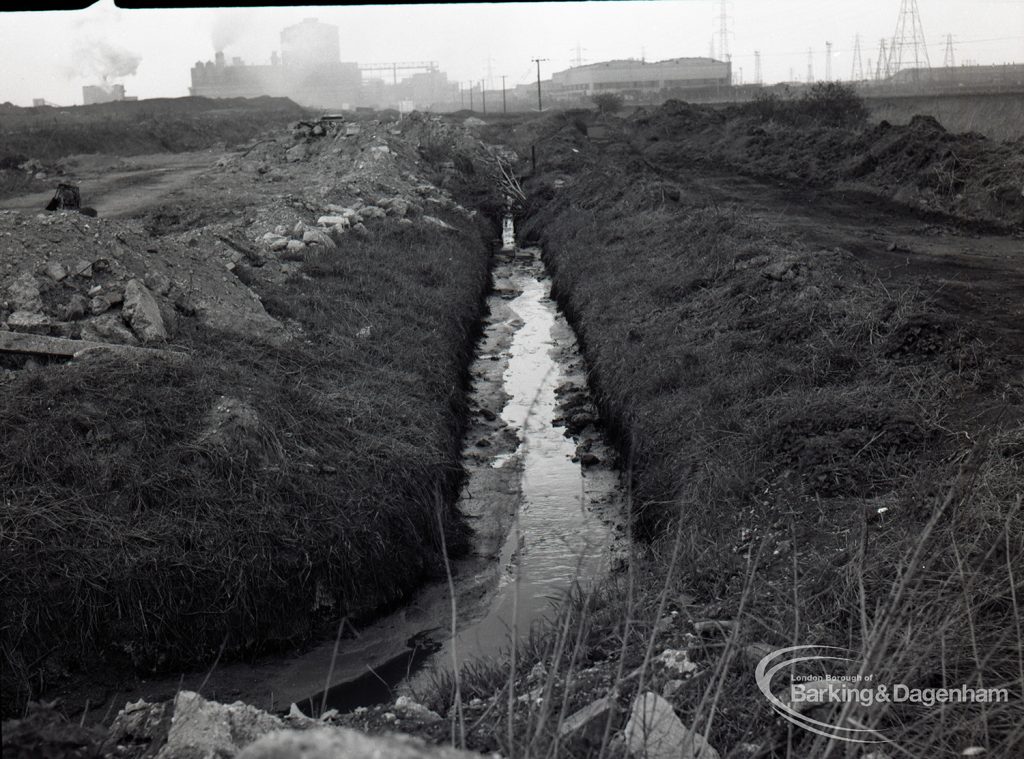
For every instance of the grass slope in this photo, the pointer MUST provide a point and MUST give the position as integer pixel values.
(154, 514)
(814, 457)
(840, 463)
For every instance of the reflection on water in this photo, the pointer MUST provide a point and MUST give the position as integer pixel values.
(560, 531)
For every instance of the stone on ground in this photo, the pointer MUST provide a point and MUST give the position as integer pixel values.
(588, 723)
(655, 732)
(142, 312)
(338, 742)
(23, 294)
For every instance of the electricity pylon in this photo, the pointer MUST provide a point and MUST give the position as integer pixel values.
(949, 60)
(857, 71)
(909, 49)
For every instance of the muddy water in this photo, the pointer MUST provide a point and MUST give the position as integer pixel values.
(540, 521)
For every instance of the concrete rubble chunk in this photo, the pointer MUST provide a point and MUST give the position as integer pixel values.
(373, 212)
(655, 732)
(44, 345)
(56, 271)
(676, 661)
(319, 237)
(338, 742)
(270, 238)
(398, 207)
(142, 312)
(587, 723)
(75, 308)
(201, 728)
(411, 709)
(108, 328)
(23, 294)
(297, 152)
(98, 305)
(29, 321)
(437, 222)
(158, 282)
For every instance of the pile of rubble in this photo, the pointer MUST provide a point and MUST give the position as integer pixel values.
(101, 281)
(107, 281)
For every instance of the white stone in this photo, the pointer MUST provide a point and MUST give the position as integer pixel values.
(142, 312)
(677, 661)
(24, 294)
(344, 743)
(655, 732)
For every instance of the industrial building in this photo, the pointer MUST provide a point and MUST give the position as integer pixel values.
(641, 81)
(309, 70)
(92, 94)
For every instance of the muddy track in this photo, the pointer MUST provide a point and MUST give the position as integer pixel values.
(121, 194)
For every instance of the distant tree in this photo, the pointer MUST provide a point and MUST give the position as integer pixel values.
(607, 102)
(835, 104)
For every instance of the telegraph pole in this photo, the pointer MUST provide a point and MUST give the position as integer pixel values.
(471, 96)
(540, 106)
(504, 105)
(483, 96)
(828, 61)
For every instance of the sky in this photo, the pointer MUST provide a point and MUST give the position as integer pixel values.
(52, 54)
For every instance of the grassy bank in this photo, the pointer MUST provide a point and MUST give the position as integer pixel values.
(136, 127)
(815, 457)
(157, 515)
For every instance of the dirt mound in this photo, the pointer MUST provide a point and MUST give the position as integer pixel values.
(919, 165)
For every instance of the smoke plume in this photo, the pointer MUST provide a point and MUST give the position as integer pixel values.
(104, 60)
(228, 28)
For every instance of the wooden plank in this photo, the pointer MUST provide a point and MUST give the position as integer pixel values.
(22, 342)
